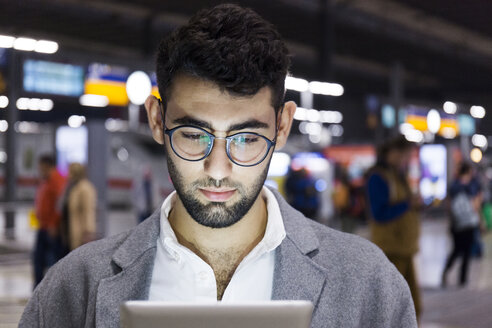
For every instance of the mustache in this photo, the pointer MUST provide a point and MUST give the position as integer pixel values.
(210, 183)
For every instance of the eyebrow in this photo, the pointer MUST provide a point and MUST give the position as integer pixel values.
(249, 124)
(188, 120)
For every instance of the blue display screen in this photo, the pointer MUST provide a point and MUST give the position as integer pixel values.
(53, 78)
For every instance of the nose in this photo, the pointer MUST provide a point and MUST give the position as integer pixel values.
(218, 165)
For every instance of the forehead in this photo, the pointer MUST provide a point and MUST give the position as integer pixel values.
(204, 100)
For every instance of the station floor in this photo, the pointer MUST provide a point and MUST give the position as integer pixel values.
(453, 307)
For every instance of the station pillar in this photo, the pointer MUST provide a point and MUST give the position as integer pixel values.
(11, 144)
(98, 150)
(396, 92)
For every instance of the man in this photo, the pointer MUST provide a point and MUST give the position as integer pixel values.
(222, 235)
(394, 224)
(48, 247)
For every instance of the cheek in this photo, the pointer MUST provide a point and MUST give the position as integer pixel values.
(192, 171)
(188, 171)
(249, 175)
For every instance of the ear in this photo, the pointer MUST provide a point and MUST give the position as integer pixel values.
(153, 108)
(285, 123)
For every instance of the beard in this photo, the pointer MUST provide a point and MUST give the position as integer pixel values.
(215, 214)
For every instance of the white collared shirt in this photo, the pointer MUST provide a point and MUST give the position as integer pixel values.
(180, 275)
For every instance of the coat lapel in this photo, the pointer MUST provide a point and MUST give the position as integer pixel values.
(133, 264)
(130, 284)
(296, 276)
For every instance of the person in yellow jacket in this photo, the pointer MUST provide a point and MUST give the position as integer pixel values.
(79, 209)
(394, 218)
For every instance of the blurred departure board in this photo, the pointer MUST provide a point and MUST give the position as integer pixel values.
(53, 78)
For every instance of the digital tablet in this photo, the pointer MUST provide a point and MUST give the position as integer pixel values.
(268, 314)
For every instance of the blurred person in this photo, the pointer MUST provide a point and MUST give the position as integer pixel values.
(144, 200)
(465, 199)
(477, 189)
(342, 201)
(394, 218)
(301, 192)
(78, 209)
(487, 204)
(48, 247)
(223, 235)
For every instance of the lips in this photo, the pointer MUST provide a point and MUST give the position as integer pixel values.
(217, 195)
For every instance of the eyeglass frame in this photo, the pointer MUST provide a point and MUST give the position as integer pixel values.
(169, 132)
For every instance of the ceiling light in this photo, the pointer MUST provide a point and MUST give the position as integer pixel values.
(4, 125)
(405, 127)
(414, 136)
(93, 100)
(28, 44)
(433, 121)
(325, 88)
(33, 104)
(313, 115)
(138, 87)
(296, 84)
(479, 140)
(25, 44)
(300, 114)
(3, 156)
(476, 155)
(6, 41)
(477, 111)
(45, 105)
(76, 121)
(450, 107)
(22, 103)
(46, 47)
(4, 101)
(328, 116)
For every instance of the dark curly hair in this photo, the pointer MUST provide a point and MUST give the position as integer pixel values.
(230, 46)
(47, 159)
(464, 169)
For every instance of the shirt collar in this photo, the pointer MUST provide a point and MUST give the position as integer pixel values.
(274, 232)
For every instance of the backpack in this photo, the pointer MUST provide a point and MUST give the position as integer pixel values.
(463, 214)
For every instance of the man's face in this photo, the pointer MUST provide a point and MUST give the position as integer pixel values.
(467, 177)
(215, 211)
(216, 192)
(44, 170)
(404, 158)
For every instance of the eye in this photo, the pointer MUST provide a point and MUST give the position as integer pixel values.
(246, 139)
(194, 135)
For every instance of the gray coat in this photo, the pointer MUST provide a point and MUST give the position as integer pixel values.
(348, 279)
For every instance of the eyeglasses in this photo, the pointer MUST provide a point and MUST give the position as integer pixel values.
(193, 143)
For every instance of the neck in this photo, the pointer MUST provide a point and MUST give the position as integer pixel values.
(212, 243)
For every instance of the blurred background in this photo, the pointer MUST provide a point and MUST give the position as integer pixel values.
(74, 74)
